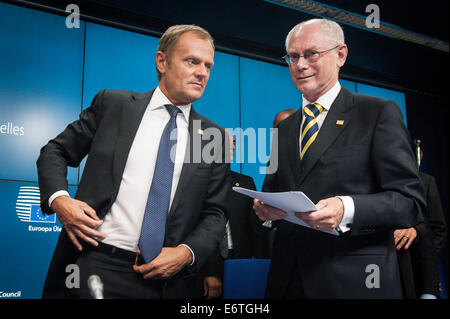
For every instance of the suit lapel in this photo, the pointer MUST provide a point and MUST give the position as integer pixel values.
(233, 216)
(131, 114)
(191, 163)
(294, 147)
(335, 122)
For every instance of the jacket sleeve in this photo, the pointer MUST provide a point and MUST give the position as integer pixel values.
(214, 265)
(67, 149)
(435, 215)
(210, 228)
(398, 199)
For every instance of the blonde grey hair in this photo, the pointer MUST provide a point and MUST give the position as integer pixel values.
(170, 38)
(333, 31)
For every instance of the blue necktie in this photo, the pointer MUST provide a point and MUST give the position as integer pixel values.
(154, 224)
(310, 127)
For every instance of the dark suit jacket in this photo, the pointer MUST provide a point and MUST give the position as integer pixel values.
(106, 131)
(369, 158)
(434, 212)
(419, 265)
(248, 235)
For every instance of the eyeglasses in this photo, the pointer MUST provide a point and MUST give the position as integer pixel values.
(311, 56)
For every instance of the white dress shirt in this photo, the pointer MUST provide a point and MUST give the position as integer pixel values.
(122, 224)
(326, 101)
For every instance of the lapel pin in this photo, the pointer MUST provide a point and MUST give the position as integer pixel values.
(340, 122)
(200, 131)
(237, 184)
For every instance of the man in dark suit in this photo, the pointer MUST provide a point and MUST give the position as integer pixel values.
(418, 262)
(245, 237)
(434, 212)
(419, 246)
(350, 154)
(281, 116)
(149, 208)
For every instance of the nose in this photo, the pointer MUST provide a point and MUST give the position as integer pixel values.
(201, 70)
(301, 64)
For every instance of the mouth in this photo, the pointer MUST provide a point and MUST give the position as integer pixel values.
(197, 85)
(300, 78)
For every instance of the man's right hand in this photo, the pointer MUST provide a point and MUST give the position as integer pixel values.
(79, 220)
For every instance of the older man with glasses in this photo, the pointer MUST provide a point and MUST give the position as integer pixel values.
(351, 155)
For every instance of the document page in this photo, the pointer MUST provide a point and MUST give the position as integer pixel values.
(290, 202)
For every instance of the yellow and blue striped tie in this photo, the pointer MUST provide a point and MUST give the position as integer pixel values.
(310, 127)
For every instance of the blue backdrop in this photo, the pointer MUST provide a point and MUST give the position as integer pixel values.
(49, 73)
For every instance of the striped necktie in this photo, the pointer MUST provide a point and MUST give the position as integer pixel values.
(310, 127)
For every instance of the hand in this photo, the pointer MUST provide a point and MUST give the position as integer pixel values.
(266, 212)
(212, 287)
(167, 264)
(327, 217)
(79, 220)
(404, 237)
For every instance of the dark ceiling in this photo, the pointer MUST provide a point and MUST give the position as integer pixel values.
(425, 17)
(257, 29)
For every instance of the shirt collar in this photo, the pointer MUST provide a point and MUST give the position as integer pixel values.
(159, 99)
(327, 99)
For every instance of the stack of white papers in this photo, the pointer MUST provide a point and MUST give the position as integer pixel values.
(290, 202)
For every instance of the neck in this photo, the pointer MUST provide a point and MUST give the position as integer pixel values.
(172, 100)
(315, 96)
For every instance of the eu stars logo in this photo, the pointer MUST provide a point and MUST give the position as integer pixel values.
(36, 215)
(28, 206)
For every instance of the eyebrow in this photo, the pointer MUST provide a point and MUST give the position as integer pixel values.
(313, 48)
(196, 58)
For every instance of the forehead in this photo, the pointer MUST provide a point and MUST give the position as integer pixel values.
(309, 36)
(190, 42)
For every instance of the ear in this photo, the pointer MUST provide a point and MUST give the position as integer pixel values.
(342, 52)
(161, 62)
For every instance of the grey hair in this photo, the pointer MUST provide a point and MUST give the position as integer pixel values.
(329, 27)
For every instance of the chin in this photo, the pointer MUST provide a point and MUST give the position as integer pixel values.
(307, 88)
(194, 96)
(304, 89)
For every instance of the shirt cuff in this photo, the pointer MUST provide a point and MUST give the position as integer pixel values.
(193, 256)
(349, 213)
(57, 194)
(267, 223)
(428, 296)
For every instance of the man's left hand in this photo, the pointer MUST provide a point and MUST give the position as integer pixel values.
(404, 237)
(212, 287)
(327, 217)
(167, 264)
